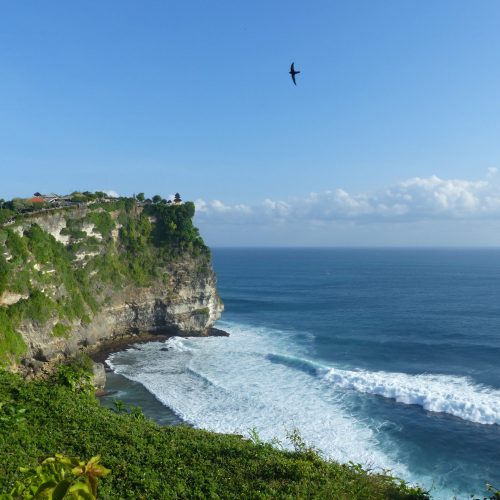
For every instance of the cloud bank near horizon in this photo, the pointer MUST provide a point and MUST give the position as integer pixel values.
(411, 200)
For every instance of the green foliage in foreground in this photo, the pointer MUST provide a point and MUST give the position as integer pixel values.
(148, 461)
(58, 478)
(11, 341)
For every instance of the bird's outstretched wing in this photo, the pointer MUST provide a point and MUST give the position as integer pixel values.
(293, 73)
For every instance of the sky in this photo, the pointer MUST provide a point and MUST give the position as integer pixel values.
(391, 136)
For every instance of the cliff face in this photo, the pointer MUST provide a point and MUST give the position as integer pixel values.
(187, 305)
(85, 276)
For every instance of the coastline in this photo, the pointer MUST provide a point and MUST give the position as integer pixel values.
(101, 352)
(134, 394)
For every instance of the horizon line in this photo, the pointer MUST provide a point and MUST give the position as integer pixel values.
(362, 247)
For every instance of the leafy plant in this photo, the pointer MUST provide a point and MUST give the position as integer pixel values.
(119, 406)
(61, 330)
(60, 477)
(495, 491)
(12, 344)
(103, 222)
(77, 379)
(255, 437)
(299, 444)
(11, 414)
(204, 311)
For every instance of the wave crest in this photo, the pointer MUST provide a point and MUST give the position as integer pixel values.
(457, 396)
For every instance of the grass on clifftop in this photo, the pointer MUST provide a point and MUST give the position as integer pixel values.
(148, 461)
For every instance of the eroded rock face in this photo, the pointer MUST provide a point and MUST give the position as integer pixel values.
(181, 297)
(9, 298)
(188, 304)
(52, 223)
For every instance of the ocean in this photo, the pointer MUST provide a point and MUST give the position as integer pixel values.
(385, 357)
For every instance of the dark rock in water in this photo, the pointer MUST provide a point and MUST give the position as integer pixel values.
(101, 393)
(216, 332)
(164, 349)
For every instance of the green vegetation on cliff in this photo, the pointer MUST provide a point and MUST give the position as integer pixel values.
(61, 282)
(148, 461)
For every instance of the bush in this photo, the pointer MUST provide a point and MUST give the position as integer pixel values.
(75, 378)
(12, 345)
(103, 223)
(148, 461)
(37, 307)
(17, 246)
(60, 477)
(61, 330)
(4, 273)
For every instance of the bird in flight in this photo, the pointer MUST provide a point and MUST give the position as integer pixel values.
(293, 73)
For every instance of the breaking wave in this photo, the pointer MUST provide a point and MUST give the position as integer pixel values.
(260, 378)
(457, 396)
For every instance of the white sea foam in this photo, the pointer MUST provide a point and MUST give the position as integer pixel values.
(454, 395)
(258, 378)
(228, 385)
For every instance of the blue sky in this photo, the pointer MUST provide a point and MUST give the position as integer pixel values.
(390, 137)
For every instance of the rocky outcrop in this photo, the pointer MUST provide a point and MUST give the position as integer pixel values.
(52, 222)
(9, 298)
(187, 305)
(180, 296)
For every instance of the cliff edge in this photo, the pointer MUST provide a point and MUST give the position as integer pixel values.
(75, 277)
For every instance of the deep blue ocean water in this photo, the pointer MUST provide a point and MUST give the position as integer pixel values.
(387, 357)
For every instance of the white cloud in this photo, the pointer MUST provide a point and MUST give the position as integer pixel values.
(217, 211)
(112, 193)
(415, 199)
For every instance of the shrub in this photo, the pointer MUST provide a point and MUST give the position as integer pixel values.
(204, 311)
(37, 307)
(17, 246)
(60, 477)
(103, 223)
(76, 378)
(61, 330)
(12, 345)
(149, 461)
(4, 273)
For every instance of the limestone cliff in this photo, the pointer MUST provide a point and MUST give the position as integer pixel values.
(71, 279)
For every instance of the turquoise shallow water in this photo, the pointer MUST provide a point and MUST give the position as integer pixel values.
(384, 357)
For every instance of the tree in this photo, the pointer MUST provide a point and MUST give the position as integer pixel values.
(140, 197)
(156, 198)
(177, 198)
(5, 215)
(20, 204)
